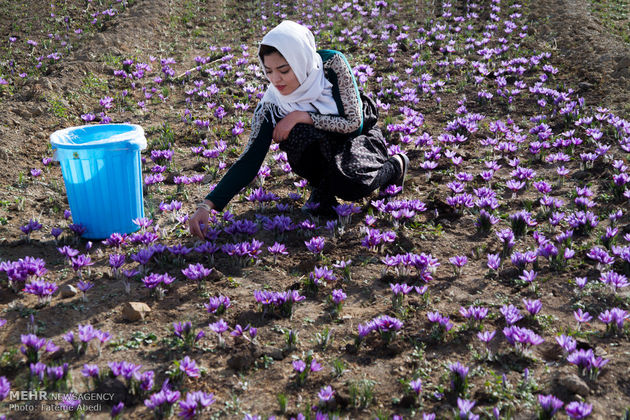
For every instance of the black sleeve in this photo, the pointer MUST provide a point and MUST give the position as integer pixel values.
(245, 169)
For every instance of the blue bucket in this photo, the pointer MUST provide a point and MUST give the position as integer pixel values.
(102, 171)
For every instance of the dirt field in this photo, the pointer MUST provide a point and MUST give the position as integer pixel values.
(582, 56)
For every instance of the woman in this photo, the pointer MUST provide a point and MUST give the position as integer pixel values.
(314, 111)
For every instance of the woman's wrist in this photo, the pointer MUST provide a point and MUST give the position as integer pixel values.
(206, 205)
(306, 118)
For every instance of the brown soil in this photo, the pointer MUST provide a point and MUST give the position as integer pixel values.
(248, 378)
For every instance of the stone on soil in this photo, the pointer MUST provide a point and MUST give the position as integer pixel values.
(135, 311)
(67, 291)
(575, 384)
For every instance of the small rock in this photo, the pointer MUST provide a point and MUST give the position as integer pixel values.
(575, 384)
(585, 85)
(67, 291)
(273, 352)
(135, 311)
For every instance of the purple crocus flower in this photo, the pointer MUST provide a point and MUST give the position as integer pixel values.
(320, 274)
(194, 403)
(196, 272)
(219, 328)
(528, 276)
(42, 289)
(494, 261)
(533, 306)
(81, 261)
(458, 262)
(217, 304)
(189, 367)
(162, 400)
(614, 280)
(38, 370)
(30, 227)
(416, 386)
(578, 410)
(325, 394)
(486, 336)
(511, 313)
(474, 314)
(277, 249)
(90, 370)
(464, 407)
(338, 296)
(77, 228)
(5, 388)
(84, 286)
(567, 343)
(55, 232)
(117, 409)
(581, 317)
(299, 365)
(549, 405)
(315, 244)
(68, 252)
(614, 319)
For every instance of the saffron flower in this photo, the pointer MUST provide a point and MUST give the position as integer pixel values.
(533, 306)
(325, 394)
(303, 367)
(277, 249)
(399, 290)
(189, 367)
(219, 328)
(416, 386)
(386, 325)
(315, 245)
(217, 304)
(459, 377)
(614, 319)
(486, 337)
(162, 401)
(30, 227)
(567, 343)
(549, 406)
(197, 272)
(458, 261)
(42, 289)
(194, 404)
(578, 410)
(80, 262)
(5, 388)
(337, 298)
(186, 333)
(84, 286)
(494, 262)
(581, 317)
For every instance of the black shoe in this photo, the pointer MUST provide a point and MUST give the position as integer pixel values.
(400, 181)
(405, 167)
(320, 204)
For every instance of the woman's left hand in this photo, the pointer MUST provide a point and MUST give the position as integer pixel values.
(283, 128)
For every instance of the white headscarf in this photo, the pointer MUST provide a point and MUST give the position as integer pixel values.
(297, 45)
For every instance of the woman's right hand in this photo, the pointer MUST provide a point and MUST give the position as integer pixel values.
(199, 219)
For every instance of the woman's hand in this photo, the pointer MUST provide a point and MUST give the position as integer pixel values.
(198, 219)
(283, 128)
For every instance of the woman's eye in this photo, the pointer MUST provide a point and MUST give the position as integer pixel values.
(284, 72)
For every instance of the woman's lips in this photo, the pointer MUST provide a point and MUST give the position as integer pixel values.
(281, 87)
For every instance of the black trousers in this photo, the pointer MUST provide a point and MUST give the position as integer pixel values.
(348, 167)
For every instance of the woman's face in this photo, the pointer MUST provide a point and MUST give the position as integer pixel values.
(280, 74)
